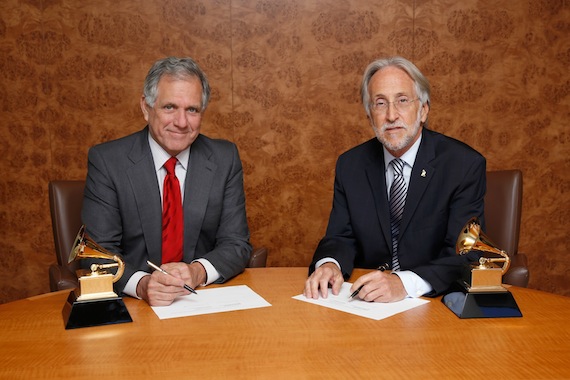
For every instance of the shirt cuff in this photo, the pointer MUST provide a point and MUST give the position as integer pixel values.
(212, 275)
(131, 287)
(415, 285)
(327, 260)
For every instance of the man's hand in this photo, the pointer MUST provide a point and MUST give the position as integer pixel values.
(380, 287)
(193, 274)
(325, 275)
(159, 289)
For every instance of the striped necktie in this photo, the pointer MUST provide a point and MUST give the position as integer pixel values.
(397, 201)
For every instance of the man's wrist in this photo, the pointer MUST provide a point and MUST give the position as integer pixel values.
(200, 270)
(212, 275)
(414, 285)
(142, 287)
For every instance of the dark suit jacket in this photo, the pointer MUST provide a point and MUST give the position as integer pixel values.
(438, 205)
(122, 207)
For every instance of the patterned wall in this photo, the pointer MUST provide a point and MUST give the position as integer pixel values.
(285, 77)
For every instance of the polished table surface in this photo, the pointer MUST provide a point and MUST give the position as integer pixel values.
(290, 339)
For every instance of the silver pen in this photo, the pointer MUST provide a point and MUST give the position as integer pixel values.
(156, 267)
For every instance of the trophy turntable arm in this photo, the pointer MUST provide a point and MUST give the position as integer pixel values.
(119, 263)
(506, 260)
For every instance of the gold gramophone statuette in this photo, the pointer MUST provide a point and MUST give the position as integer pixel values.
(97, 283)
(480, 293)
(487, 275)
(94, 303)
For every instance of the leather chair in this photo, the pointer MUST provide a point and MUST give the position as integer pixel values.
(503, 205)
(65, 200)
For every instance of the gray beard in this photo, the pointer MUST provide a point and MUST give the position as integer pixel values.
(408, 138)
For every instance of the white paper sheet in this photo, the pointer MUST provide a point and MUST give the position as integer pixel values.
(372, 310)
(215, 300)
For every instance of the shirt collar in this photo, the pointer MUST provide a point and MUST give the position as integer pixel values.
(160, 156)
(409, 157)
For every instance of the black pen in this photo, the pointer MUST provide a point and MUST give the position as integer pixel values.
(154, 266)
(381, 268)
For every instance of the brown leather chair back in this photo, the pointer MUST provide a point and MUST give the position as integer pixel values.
(65, 200)
(503, 205)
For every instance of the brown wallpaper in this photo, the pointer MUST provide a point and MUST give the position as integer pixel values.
(285, 76)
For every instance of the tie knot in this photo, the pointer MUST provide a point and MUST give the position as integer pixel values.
(170, 165)
(398, 165)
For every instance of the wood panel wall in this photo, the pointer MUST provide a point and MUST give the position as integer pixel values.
(285, 77)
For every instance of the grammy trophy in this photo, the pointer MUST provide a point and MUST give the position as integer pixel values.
(94, 303)
(480, 293)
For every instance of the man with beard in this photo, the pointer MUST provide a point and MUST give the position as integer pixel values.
(400, 199)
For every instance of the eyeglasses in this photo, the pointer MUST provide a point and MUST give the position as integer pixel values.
(401, 104)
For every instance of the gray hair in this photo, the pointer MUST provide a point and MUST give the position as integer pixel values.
(179, 68)
(420, 81)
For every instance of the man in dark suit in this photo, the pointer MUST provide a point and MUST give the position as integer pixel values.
(443, 186)
(122, 206)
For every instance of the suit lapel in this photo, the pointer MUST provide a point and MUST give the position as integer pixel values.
(144, 183)
(422, 173)
(199, 180)
(375, 171)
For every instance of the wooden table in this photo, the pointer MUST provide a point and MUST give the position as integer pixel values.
(290, 340)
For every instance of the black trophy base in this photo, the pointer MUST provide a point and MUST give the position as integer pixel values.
(482, 304)
(107, 311)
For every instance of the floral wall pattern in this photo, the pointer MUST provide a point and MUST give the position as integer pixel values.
(285, 77)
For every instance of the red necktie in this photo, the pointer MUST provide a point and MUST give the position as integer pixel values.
(172, 216)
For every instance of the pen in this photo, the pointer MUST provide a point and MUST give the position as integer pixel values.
(381, 268)
(156, 267)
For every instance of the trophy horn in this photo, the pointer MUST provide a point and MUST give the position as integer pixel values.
(472, 238)
(85, 248)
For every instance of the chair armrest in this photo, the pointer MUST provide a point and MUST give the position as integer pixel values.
(518, 273)
(61, 278)
(258, 258)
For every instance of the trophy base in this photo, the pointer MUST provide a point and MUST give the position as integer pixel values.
(106, 311)
(481, 304)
